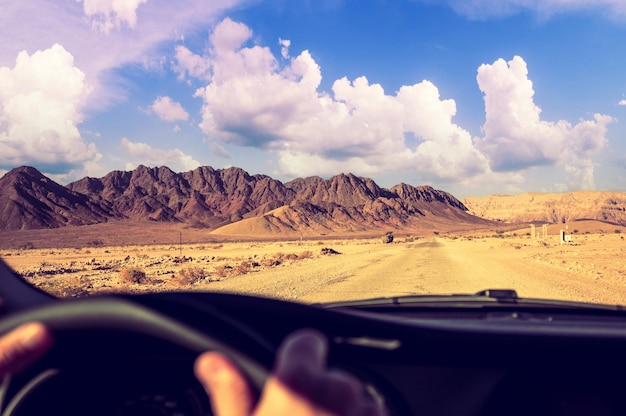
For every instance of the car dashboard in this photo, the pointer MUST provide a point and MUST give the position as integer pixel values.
(412, 360)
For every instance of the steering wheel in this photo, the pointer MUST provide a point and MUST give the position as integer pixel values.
(79, 325)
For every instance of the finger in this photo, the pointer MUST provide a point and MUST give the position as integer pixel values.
(338, 392)
(300, 360)
(227, 388)
(22, 346)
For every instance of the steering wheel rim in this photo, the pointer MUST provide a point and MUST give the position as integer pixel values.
(122, 314)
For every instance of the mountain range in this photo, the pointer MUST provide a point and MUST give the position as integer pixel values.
(227, 201)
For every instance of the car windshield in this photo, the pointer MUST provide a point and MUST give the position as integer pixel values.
(315, 151)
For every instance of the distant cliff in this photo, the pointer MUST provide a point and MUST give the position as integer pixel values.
(553, 208)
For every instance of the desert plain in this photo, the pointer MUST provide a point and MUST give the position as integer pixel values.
(102, 259)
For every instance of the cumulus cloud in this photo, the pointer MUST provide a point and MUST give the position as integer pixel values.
(622, 102)
(253, 100)
(176, 159)
(515, 136)
(41, 102)
(106, 15)
(188, 64)
(483, 9)
(169, 110)
(37, 24)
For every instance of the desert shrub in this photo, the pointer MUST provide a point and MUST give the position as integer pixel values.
(575, 231)
(270, 262)
(291, 256)
(243, 268)
(305, 255)
(95, 243)
(618, 231)
(327, 251)
(190, 275)
(133, 275)
(222, 271)
(436, 232)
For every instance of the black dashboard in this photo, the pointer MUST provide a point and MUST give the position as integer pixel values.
(417, 361)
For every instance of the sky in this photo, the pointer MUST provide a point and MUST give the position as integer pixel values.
(474, 97)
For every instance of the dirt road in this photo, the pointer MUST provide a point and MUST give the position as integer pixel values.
(590, 270)
(434, 266)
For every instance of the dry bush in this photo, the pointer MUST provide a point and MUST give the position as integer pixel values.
(223, 271)
(243, 268)
(190, 275)
(305, 255)
(95, 243)
(133, 275)
(270, 262)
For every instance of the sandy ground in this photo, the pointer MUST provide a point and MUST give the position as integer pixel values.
(591, 269)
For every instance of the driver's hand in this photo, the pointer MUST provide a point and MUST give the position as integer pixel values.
(22, 346)
(300, 385)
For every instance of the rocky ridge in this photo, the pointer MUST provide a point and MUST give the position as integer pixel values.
(212, 198)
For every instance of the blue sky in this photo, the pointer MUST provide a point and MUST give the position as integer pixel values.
(473, 97)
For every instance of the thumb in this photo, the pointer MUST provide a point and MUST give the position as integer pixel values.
(225, 385)
(22, 346)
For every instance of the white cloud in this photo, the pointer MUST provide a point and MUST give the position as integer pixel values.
(146, 154)
(483, 9)
(37, 24)
(517, 138)
(111, 14)
(169, 110)
(41, 103)
(252, 100)
(189, 64)
(284, 49)
(622, 102)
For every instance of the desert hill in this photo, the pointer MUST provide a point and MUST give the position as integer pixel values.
(551, 208)
(206, 196)
(213, 198)
(30, 200)
(402, 207)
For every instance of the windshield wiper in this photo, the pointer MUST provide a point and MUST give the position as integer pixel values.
(485, 299)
